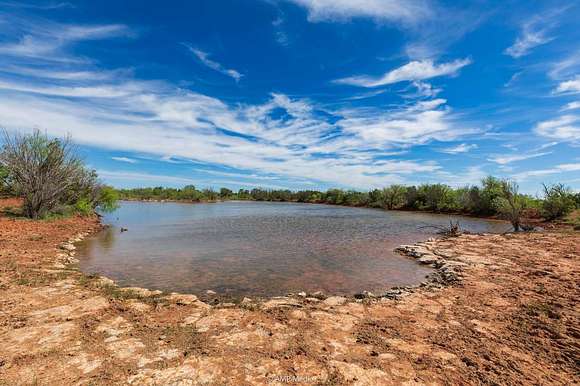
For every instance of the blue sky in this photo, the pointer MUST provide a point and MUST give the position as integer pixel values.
(300, 94)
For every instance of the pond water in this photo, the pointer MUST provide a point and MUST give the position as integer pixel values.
(261, 249)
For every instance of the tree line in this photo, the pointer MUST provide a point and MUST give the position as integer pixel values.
(52, 180)
(493, 197)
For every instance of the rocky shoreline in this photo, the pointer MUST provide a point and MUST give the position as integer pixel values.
(498, 309)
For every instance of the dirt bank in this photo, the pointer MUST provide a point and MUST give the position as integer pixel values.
(513, 318)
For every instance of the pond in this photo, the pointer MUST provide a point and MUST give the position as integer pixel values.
(260, 248)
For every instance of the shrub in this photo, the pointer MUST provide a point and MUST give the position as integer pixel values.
(4, 181)
(510, 204)
(48, 174)
(394, 196)
(558, 201)
(490, 192)
(108, 199)
(84, 207)
(437, 197)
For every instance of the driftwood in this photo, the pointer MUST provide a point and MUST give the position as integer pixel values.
(451, 230)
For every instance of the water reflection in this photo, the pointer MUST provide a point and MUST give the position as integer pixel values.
(261, 249)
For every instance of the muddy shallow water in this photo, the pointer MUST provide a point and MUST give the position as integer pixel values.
(261, 249)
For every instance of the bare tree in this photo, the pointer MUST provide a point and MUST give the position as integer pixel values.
(43, 170)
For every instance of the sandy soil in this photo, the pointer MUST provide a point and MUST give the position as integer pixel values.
(512, 318)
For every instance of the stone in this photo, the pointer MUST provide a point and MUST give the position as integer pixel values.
(319, 295)
(302, 294)
(210, 292)
(182, 299)
(427, 259)
(335, 301)
(142, 291)
(68, 247)
(105, 281)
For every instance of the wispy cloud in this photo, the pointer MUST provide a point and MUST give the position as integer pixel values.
(125, 159)
(569, 87)
(572, 106)
(46, 40)
(408, 12)
(412, 71)
(47, 6)
(565, 128)
(459, 149)
(507, 159)
(204, 58)
(562, 168)
(533, 33)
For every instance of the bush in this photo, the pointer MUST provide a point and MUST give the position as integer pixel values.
(108, 199)
(437, 197)
(394, 196)
(4, 181)
(558, 201)
(510, 204)
(48, 175)
(491, 190)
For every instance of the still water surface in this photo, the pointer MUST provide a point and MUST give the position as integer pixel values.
(261, 249)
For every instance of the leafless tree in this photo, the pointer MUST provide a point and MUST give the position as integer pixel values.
(44, 170)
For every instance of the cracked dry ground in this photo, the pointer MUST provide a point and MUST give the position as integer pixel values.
(513, 320)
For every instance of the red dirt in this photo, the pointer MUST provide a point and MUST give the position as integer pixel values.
(513, 319)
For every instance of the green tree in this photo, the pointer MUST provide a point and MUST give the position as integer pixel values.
(394, 196)
(48, 174)
(225, 193)
(558, 201)
(510, 204)
(492, 188)
(437, 197)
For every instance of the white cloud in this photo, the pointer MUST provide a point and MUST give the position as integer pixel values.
(204, 58)
(412, 71)
(565, 128)
(125, 159)
(562, 168)
(425, 89)
(46, 41)
(572, 106)
(416, 124)
(535, 31)
(461, 148)
(569, 86)
(507, 159)
(409, 11)
(530, 38)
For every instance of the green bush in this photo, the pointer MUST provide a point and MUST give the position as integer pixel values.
(437, 197)
(83, 206)
(558, 201)
(108, 199)
(48, 174)
(510, 204)
(394, 196)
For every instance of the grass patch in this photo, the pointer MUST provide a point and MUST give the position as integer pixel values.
(185, 338)
(542, 309)
(31, 278)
